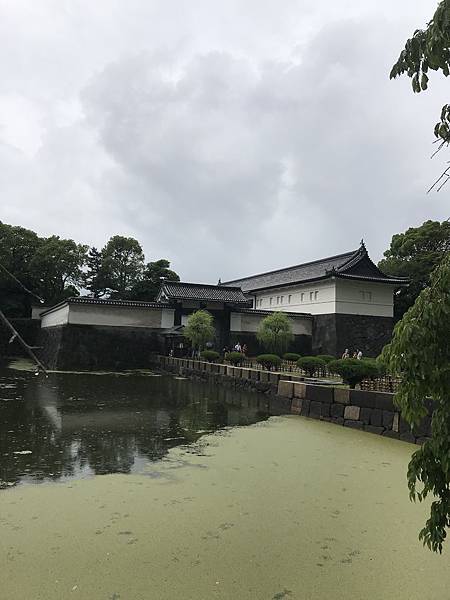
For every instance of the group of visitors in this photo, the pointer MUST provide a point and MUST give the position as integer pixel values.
(236, 348)
(356, 354)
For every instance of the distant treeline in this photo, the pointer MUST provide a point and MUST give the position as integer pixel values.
(53, 269)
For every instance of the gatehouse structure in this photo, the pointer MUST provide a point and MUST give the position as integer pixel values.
(339, 302)
(350, 299)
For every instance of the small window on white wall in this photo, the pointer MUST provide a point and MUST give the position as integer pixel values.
(271, 301)
(311, 296)
(289, 298)
(302, 297)
(316, 294)
(282, 299)
(366, 296)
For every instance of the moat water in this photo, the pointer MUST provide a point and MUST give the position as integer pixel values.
(135, 486)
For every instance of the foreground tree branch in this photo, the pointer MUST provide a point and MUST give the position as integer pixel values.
(429, 50)
(420, 353)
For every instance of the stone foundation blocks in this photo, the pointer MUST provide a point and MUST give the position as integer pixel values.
(296, 406)
(319, 393)
(390, 434)
(285, 388)
(395, 422)
(374, 429)
(337, 410)
(305, 408)
(315, 409)
(325, 411)
(354, 424)
(365, 415)
(352, 413)
(299, 389)
(342, 395)
(376, 417)
(367, 399)
(388, 419)
(274, 377)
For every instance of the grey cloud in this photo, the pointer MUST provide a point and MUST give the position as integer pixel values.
(228, 162)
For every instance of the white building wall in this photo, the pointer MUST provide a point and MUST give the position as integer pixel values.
(60, 316)
(333, 295)
(314, 298)
(236, 321)
(364, 298)
(111, 316)
(248, 323)
(167, 318)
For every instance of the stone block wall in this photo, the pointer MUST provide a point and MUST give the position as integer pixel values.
(89, 347)
(374, 412)
(333, 333)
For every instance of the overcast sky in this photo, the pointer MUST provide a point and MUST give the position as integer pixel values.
(229, 137)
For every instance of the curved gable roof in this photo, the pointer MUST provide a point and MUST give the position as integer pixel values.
(355, 264)
(178, 290)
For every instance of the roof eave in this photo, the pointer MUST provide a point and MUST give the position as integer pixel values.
(388, 280)
(290, 283)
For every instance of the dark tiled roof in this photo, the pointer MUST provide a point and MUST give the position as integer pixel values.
(356, 264)
(108, 302)
(295, 274)
(178, 290)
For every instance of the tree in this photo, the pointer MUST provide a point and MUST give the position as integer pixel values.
(17, 248)
(352, 370)
(429, 49)
(415, 254)
(123, 262)
(148, 287)
(199, 328)
(58, 265)
(420, 353)
(275, 332)
(94, 278)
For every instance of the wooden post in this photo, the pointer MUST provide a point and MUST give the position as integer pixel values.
(22, 342)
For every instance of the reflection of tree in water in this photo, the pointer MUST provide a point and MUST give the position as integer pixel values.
(25, 429)
(71, 423)
(110, 453)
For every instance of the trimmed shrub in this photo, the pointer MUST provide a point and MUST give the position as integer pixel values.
(311, 364)
(327, 358)
(291, 356)
(210, 355)
(375, 367)
(234, 358)
(268, 360)
(352, 370)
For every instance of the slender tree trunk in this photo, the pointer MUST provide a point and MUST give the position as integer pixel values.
(22, 342)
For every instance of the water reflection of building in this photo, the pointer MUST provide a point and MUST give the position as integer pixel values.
(79, 424)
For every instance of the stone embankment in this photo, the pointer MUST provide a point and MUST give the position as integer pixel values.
(370, 411)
